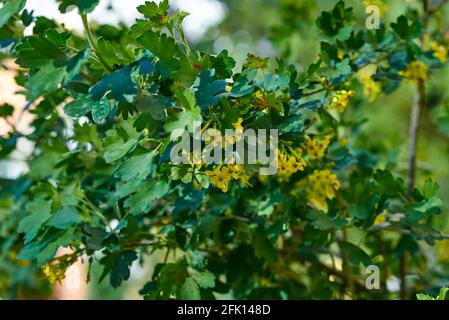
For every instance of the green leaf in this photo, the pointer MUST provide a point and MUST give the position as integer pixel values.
(152, 105)
(171, 278)
(84, 6)
(115, 147)
(46, 80)
(223, 65)
(182, 120)
(355, 255)
(40, 213)
(207, 89)
(163, 47)
(44, 250)
(325, 222)
(204, 279)
(387, 183)
(100, 110)
(151, 9)
(64, 218)
(137, 168)
(10, 8)
(79, 107)
(117, 264)
(430, 189)
(244, 84)
(190, 290)
(331, 22)
(442, 295)
(118, 82)
(142, 201)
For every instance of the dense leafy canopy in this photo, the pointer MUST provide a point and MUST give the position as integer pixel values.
(100, 179)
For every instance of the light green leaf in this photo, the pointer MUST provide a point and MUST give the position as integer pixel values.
(10, 8)
(190, 290)
(142, 200)
(100, 110)
(183, 120)
(204, 279)
(137, 168)
(46, 80)
(78, 107)
(64, 218)
(40, 213)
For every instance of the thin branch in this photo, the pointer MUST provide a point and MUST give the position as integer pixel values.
(92, 43)
(418, 107)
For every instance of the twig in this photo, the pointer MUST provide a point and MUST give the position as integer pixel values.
(92, 43)
(418, 107)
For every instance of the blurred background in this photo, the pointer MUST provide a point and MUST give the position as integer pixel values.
(271, 28)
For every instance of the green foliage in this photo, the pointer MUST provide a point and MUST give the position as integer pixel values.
(441, 295)
(332, 209)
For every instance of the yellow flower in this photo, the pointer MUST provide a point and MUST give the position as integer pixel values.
(315, 148)
(322, 185)
(378, 3)
(194, 159)
(238, 125)
(371, 88)
(416, 70)
(53, 273)
(440, 52)
(340, 100)
(288, 165)
(381, 218)
(234, 171)
(220, 177)
(213, 136)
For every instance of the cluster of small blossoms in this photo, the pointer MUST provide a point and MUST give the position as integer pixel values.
(416, 70)
(288, 165)
(215, 138)
(440, 52)
(322, 185)
(223, 174)
(371, 88)
(316, 148)
(381, 4)
(340, 100)
(55, 271)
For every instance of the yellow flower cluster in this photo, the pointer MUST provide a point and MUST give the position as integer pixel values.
(381, 218)
(322, 185)
(440, 52)
(222, 175)
(315, 148)
(55, 273)
(416, 70)
(381, 4)
(371, 88)
(340, 100)
(288, 165)
(215, 138)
